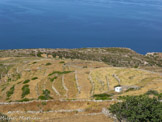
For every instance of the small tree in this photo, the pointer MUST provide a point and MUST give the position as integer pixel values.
(138, 109)
(46, 95)
(152, 92)
(39, 54)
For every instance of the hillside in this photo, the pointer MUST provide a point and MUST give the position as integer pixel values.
(121, 57)
(58, 88)
(68, 79)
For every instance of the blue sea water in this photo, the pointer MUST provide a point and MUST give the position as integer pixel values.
(136, 24)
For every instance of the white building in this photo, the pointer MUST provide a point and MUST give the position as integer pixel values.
(118, 89)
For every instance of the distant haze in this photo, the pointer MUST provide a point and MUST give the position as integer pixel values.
(136, 24)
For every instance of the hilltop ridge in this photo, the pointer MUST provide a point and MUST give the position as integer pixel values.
(121, 57)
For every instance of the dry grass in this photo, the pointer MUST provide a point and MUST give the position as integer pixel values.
(127, 76)
(83, 118)
(59, 86)
(71, 85)
(36, 67)
(89, 107)
(84, 83)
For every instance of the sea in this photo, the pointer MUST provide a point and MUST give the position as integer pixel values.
(136, 24)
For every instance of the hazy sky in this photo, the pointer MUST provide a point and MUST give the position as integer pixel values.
(136, 24)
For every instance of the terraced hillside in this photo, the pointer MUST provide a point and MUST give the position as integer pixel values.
(40, 78)
(63, 88)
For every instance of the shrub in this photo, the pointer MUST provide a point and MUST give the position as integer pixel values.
(34, 78)
(9, 79)
(34, 62)
(47, 64)
(52, 79)
(54, 72)
(42, 98)
(136, 66)
(160, 96)
(46, 91)
(46, 95)
(102, 96)
(138, 109)
(24, 100)
(151, 92)
(61, 62)
(26, 81)
(11, 91)
(25, 91)
(59, 72)
(39, 54)
(66, 72)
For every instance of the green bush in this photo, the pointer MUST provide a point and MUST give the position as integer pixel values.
(47, 64)
(39, 54)
(46, 95)
(9, 79)
(138, 109)
(54, 72)
(102, 96)
(59, 72)
(11, 91)
(46, 92)
(160, 96)
(34, 62)
(24, 100)
(66, 72)
(26, 81)
(25, 91)
(42, 98)
(52, 79)
(34, 78)
(61, 62)
(152, 92)
(136, 66)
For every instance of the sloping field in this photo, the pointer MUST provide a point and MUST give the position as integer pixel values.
(71, 79)
(105, 79)
(64, 89)
(56, 110)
